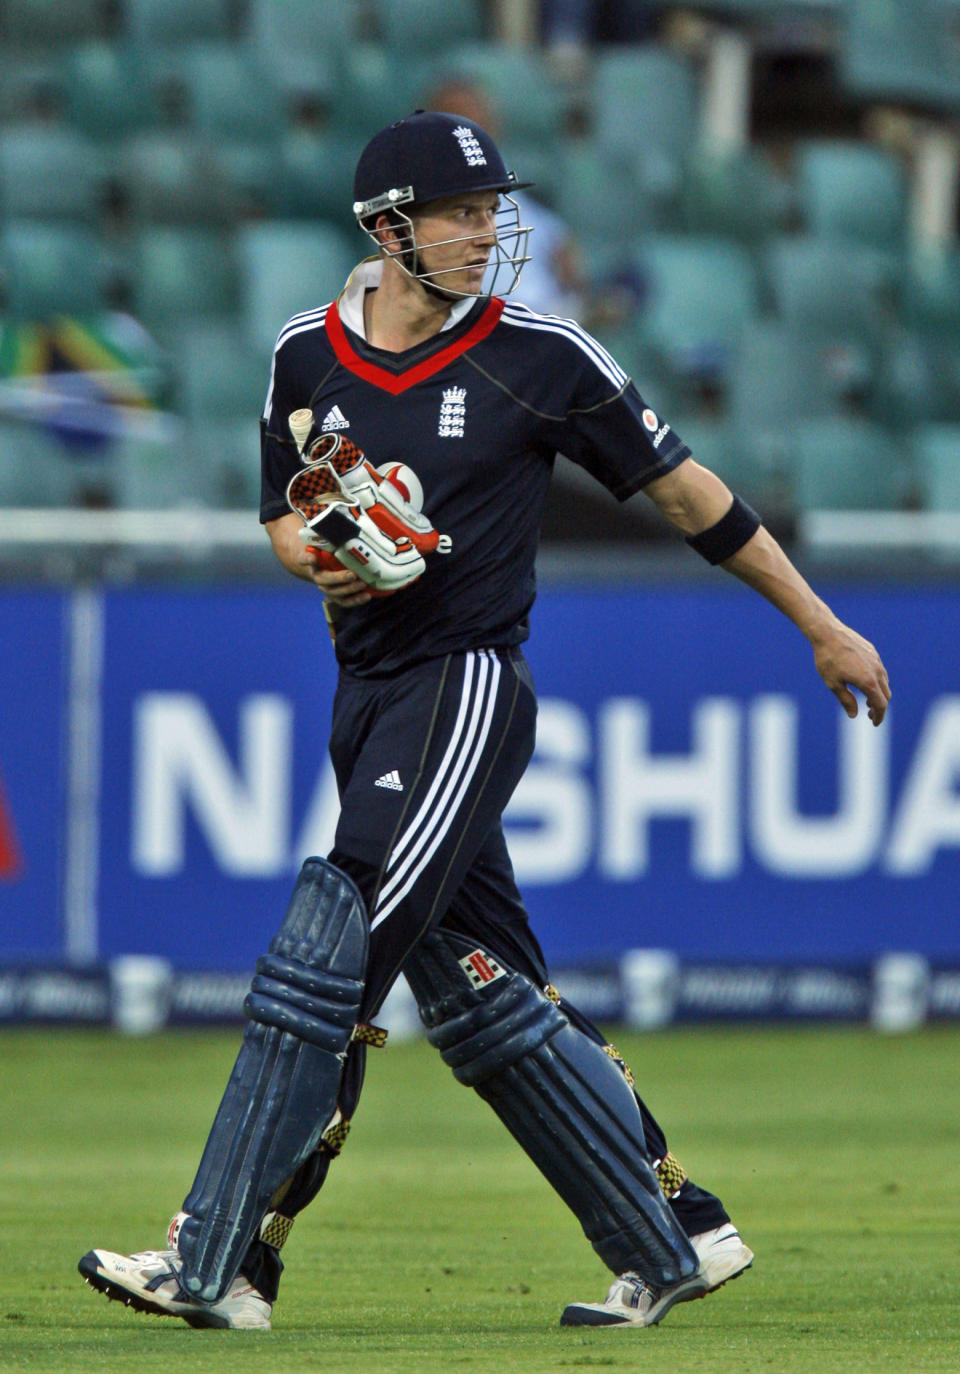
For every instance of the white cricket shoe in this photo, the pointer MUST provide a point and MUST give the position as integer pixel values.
(722, 1255)
(150, 1282)
(632, 1301)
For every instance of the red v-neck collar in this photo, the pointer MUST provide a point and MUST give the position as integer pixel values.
(397, 382)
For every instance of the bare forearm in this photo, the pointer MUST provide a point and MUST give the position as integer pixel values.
(694, 499)
(762, 564)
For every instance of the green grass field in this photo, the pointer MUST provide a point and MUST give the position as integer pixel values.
(436, 1247)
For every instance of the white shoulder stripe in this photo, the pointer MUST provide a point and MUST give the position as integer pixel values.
(306, 319)
(297, 324)
(555, 324)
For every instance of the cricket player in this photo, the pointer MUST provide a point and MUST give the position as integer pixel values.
(409, 437)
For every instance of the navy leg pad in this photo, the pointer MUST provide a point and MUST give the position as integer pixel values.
(562, 1098)
(303, 1005)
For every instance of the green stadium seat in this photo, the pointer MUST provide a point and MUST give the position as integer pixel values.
(49, 172)
(517, 81)
(153, 474)
(830, 291)
(52, 23)
(931, 291)
(174, 177)
(316, 171)
(287, 267)
(937, 452)
(302, 42)
(106, 91)
(230, 92)
(30, 458)
(736, 194)
(700, 295)
(373, 88)
(901, 52)
(644, 105)
(917, 378)
(220, 377)
(847, 463)
(49, 268)
(748, 461)
(184, 273)
(410, 26)
(170, 23)
(602, 202)
(849, 190)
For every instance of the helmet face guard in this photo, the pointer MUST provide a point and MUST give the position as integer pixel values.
(430, 156)
(507, 256)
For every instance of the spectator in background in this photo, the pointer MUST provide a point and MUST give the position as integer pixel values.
(553, 281)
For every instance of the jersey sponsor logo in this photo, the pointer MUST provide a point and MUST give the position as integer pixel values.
(335, 419)
(481, 968)
(453, 412)
(390, 780)
(469, 146)
(650, 420)
(660, 435)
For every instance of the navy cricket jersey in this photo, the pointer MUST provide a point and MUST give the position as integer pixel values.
(479, 412)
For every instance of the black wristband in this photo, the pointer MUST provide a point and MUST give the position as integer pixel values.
(722, 540)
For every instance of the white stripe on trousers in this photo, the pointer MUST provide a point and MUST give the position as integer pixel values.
(438, 811)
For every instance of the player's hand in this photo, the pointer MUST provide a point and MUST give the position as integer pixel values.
(844, 659)
(342, 586)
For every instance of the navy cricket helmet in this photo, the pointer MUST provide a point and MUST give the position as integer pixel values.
(427, 156)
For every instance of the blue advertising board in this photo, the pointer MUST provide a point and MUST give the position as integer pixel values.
(695, 786)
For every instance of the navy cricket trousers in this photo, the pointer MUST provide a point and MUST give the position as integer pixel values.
(425, 765)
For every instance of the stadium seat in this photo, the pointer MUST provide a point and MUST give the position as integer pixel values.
(931, 291)
(302, 42)
(287, 267)
(106, 91)
(410, 26)
(644, 105)
(220, 378)
(37, 23)
(374, 87)
(48, 172)
(601, 201)
(316, 170)
(937, 451)
(184, 273)
(29, 465)
(174, 177)
(49, 268)
(170, 23)
(850, 293)
(850, 190)
(846, 463)
(517, 81)
(737, 194)
(747, 460)
(903, 52)
(159, 475)
(700, 294)
(230, 93)
(918, 378)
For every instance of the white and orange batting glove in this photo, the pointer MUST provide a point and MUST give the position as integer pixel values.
(359, 517)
